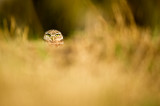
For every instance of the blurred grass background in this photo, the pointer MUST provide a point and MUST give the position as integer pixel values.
(111, 54)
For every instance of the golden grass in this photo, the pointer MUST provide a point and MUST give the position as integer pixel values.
(100, 66)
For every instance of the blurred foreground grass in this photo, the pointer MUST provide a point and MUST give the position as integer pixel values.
(99, 66)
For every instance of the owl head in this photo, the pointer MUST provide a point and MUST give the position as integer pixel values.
(53, 36)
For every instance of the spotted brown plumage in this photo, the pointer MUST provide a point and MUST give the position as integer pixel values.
(54, 37)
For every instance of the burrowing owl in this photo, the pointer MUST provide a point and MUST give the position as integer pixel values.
(53, 37)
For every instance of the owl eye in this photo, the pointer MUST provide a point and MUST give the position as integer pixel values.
(48, 34)
(57, 35)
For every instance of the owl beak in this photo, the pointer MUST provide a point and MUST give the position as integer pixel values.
(52, 38)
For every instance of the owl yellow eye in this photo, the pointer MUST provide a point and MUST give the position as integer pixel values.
(48, 35)
(57, 34)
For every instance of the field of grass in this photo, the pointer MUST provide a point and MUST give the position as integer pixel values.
(99, 66)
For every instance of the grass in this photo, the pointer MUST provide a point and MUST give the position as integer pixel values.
(99, 66)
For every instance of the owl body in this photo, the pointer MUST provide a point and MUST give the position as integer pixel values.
(54, 37)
